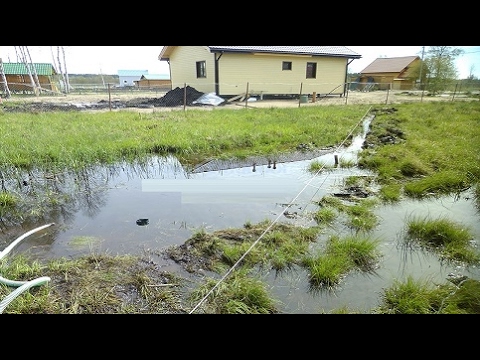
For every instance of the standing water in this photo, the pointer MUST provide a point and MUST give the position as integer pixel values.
(154, 204)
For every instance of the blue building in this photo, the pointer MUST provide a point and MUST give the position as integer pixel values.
(128, 77)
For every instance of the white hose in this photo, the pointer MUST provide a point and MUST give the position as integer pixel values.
(22, 286)
(20, 238)
(28, 284)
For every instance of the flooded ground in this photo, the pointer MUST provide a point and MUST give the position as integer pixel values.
(145, 207)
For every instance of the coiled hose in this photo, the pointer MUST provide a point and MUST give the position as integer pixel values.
(21, 286)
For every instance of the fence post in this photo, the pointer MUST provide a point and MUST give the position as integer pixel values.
(455, 91)
(184, 96)
(109, 98)
(346, 94)
(300, 96)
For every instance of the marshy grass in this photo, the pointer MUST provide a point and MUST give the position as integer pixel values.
(421, 162)
(435, 152)
(359, 213)
(280, 247)
(241, 293)
(422, 297)
(345, 163)
(451, 240)
(8, 204)
(361, 216)
(325, 215)
(94, 284)
(329, 266)
(358, 181)
(318, 166)
(73, 139)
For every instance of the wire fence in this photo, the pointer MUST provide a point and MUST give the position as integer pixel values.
(252, 95)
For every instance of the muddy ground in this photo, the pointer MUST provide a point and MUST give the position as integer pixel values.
(178, 98)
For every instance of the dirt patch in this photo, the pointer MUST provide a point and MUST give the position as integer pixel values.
(180, 97)
(173, 98)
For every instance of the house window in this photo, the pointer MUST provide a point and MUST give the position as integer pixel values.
(201, 69)
(287, 65)
(311, 70)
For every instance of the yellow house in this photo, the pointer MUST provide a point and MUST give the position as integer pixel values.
(396, 73)
(259, 70)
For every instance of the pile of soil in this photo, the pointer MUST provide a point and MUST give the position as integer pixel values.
(173, 98)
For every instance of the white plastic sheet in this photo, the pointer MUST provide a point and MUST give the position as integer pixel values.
(209, 99)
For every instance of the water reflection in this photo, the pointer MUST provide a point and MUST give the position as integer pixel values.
(106, 201)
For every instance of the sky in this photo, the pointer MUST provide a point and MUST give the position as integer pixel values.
(108, 60)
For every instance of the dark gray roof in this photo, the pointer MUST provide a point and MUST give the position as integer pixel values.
(340, 51)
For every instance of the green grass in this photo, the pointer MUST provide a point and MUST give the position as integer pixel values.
(422, 297)
(436, 152)
(94, 284)
(280, 247)
(329, 266)
(450, 240)
(421, 162)
(73, 139)
(436, 149)
(358, 212)
(241, 293)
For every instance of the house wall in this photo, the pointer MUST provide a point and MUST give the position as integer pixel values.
(262, 72)
(264, 75)
(395, 81)
(382, 80)
(183, 68)
(399, 84)
(388, 81)
(163, 84)
(22, 83)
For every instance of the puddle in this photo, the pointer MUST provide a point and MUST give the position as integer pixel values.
(131, 208)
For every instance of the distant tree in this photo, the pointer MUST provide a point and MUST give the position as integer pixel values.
(38, 87)
(35, 84)
(471, 82)
(470, 75)
(439, 65)
(67, 80)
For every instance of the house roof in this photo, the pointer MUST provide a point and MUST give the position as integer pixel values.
(155, 77)
(132, 72)
(43, 69)
(337, 51)
(389, 65)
